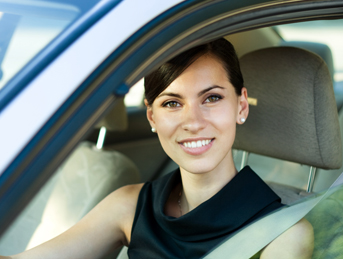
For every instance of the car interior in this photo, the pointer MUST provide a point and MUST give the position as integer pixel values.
(299, 160)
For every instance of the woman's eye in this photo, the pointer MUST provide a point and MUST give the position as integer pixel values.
(171, 104)
(212, 98)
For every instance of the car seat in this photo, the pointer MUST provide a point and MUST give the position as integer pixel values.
(269, 168)
(293, 117)
(84, 179)
(285, 92)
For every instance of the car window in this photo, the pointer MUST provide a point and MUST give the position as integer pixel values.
(329, 32)
(135, 96)
(28, 26)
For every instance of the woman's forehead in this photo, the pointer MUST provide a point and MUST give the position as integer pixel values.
(204, 72)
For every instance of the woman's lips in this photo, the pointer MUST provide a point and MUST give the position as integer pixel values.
(196, 147)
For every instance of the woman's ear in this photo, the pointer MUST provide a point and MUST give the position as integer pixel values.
(243, 106)
(149, 114)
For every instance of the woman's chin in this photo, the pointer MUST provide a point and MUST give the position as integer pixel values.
(198, 168)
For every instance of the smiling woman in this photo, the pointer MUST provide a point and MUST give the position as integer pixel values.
(206, 110)
(194, 103)
(199, 108)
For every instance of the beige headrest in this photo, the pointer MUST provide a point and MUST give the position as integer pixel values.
(295, 116)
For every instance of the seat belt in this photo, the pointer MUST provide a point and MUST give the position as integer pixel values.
(251, 239)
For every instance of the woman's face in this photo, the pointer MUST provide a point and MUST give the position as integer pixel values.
(195, 117)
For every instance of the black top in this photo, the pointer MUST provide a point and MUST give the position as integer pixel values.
(156, 235)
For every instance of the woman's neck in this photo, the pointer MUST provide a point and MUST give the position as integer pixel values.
(198, 188)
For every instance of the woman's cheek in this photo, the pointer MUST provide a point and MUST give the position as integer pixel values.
(167, 122)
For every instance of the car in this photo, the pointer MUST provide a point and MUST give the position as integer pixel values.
(73, 122)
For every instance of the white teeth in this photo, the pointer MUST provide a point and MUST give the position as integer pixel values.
(195, 144)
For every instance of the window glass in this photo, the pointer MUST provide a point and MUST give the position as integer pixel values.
(329, 32)
(23, 46)
(135, 97)
(27, 26)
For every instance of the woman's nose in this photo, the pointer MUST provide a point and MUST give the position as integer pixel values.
(193, 119)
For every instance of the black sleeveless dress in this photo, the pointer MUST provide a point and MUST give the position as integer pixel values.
(155, 235)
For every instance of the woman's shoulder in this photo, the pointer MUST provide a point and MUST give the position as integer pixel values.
(296, 242)
(128, 192)
(126, 198)
(124, 202)
(120, 202)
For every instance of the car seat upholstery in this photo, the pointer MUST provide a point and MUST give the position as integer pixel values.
(296, 104)
(325, 53)
(83, 180)
(295, 116)
(87, 177)
(320, 49)
(281, 171)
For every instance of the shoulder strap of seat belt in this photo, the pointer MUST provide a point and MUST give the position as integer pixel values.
(249, 240)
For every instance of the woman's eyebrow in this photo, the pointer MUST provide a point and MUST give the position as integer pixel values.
(171, 94)
(208, 89)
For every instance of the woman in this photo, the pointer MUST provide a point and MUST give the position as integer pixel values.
(194, 102)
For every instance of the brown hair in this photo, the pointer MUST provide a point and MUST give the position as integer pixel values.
(161, 78)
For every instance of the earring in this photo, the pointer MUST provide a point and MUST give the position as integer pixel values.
(242, 120)
(153, 130)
